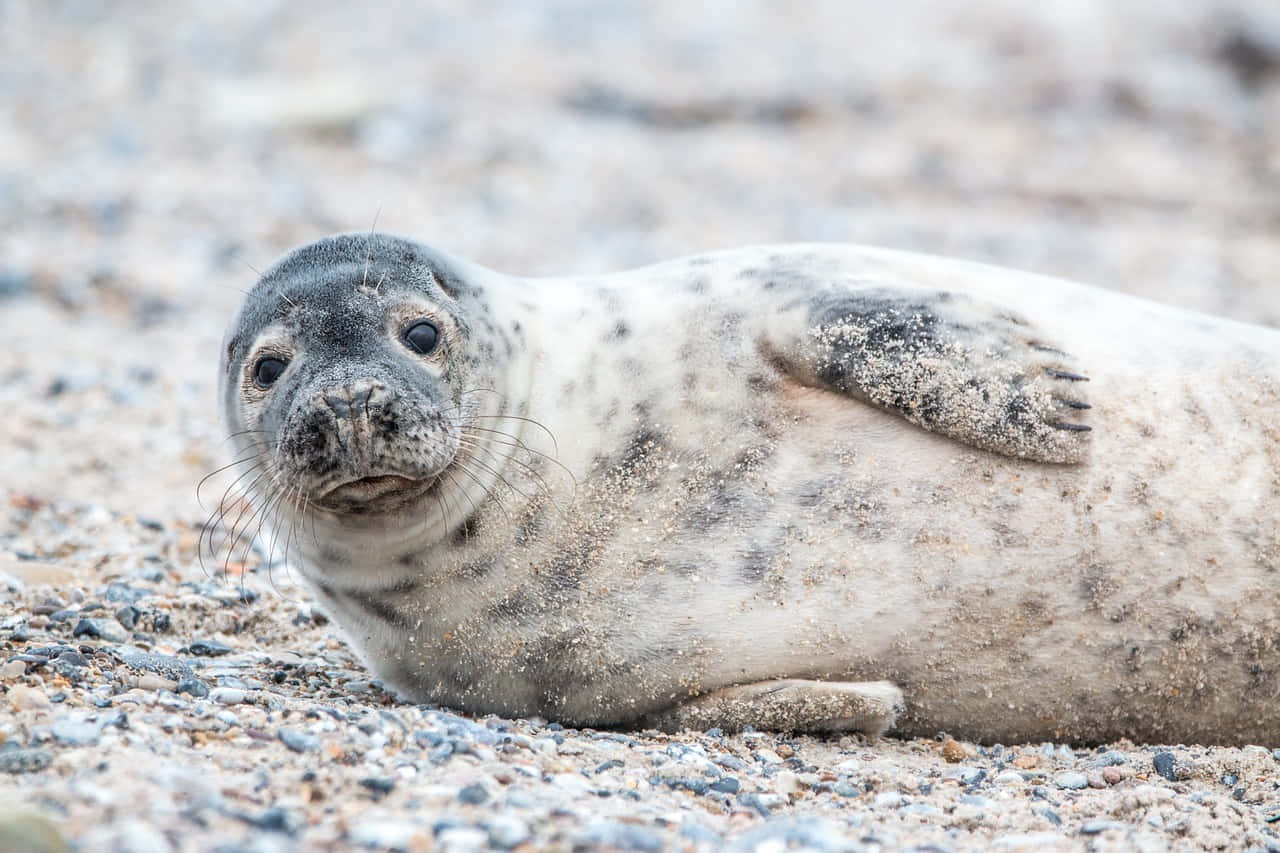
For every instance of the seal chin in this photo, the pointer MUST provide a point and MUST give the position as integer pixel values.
(375, 494)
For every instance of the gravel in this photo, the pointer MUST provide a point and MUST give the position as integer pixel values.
(154, 700)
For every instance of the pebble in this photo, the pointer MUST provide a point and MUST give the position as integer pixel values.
(725, 785)
(24, 698)
(473, 794)
(151, 681)
(74, 732)
(1070, 780)
(193, 686)
(887, 800)
(298, 741)
(209, 648)
(24, 760)
(507, 831)
(1009, 777)
(1168, 766)
(27, 831)
(386, 834)
(228, 695)
(623, 836)
(13, 669)
(1096, 827)
(102, 629)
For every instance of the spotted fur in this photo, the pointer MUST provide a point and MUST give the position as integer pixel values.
(1044, 511)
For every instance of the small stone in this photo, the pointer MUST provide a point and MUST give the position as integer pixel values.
(298, 741)
(13, 669)
(1096, 827)
(24, 760)
(972, 776)
(194, 687)
(787, 783)
(1049, 815)
(767, 756)
(1009, 777)
(1170, 767)
(888, 800)
(128, 616)
(151, 681)
(1095, 779)
(726, 785)
(380, 786)
(507, 831)
(228, 695)
(385, 834)
(1110, 758)
(1112, 775)
(101, 629)
(27, 830)
(25, 698)
(75, 732)
(1070, 780)
(612, 835)
(953, 752)
(208, 648)
(123, 593)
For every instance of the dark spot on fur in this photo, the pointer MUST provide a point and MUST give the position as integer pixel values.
(375, 606)
(466, 531)
(620, 331)
(755, 564)
(1096, 586)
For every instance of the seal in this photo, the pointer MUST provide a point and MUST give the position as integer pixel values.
(807, 487)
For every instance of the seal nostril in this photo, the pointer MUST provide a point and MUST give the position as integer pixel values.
(339, 403)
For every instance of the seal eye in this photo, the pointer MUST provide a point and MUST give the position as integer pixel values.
(268, 370)
(422, 337)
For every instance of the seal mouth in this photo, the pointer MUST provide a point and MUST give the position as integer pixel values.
(376, 493)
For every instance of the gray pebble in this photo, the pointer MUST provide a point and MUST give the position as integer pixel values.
(507, 831)
(101, 629)
(473, 794)
(1095, 827)
(887, 800)
(128, 616)
(1169, 767)
(1049, 815)
(24, 760)
(972, 776)
(622, 836)
(298, 741)
(1070, 780)
(1110, 758)
(75, 732)
(208, 648)
(123, 593)
(194, 687)
(228, 695)
(726, 785)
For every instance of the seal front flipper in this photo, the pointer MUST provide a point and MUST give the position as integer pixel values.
(789, 705)
(954, 365)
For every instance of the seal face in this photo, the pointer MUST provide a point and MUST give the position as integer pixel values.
(786, 487)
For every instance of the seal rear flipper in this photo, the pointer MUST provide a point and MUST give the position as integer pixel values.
(952, 364)
(789, 705)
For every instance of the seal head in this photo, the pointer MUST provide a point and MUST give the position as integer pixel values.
(344, 375)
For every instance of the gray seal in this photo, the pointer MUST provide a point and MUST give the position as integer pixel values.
(807, 487)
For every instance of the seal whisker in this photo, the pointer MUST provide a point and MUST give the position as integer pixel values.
(517, 442)
(217, 471)
(527, 469)
(217, 517)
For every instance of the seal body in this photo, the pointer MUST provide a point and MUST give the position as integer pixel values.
(714, 490)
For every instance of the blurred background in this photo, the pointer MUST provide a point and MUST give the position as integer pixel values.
(151, 153)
